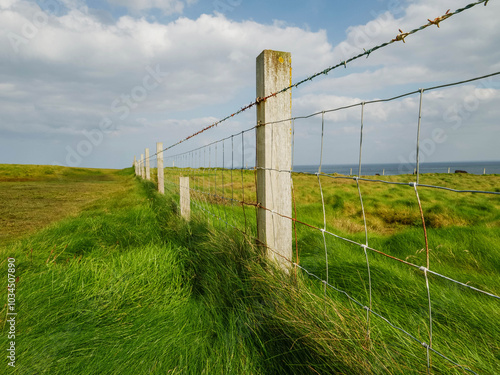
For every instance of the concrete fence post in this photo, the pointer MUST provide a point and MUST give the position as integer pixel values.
(185, 197)
(159, 162)
(143, 173)
(274, 156)
(148, 172)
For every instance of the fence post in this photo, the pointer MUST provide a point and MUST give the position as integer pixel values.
(148, 172)
(143, 174)
(135, 165)
(274, 156)
(159, 162)
(185, 198)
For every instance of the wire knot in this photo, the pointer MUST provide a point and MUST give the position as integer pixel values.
(260, 100)
(401, 36)
(442, 18)
(425, 345)
(423, 269)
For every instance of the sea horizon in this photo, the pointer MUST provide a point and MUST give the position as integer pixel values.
(371, 169)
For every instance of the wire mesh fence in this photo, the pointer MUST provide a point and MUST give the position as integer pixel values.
(346, 218)
(415, 252)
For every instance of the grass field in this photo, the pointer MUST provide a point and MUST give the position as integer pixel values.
(118, 284)
(32, 197)
(464, 235)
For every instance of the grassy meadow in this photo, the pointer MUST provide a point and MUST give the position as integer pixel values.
(111, 281)
(463, 231)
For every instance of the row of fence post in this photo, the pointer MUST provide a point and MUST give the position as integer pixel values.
(274, 158)
(142, 169)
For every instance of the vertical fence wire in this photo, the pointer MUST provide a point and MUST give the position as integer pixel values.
(418, 134)
(223, 186)
(242, 179)
(364, 223)
(429, 347)
(322, 198)
(426, 278)
(361, 137)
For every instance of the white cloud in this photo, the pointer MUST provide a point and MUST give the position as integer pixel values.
(166, 6)
(6, 4)
(75, 71)
(73, 65)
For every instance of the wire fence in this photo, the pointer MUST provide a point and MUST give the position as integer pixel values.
(353, 219)
(222, 186)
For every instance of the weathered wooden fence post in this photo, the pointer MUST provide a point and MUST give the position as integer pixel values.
(148, 172)
(143, 173)
(185, 197)
(274, 140)
(159, 162)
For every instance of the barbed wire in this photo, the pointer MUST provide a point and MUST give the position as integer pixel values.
(400, 37)
(361, 103)
(205, 201)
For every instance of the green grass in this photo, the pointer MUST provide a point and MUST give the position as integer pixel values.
(124, 286)
(463, 231)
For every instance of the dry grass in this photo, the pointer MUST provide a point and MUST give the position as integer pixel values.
(32, 197)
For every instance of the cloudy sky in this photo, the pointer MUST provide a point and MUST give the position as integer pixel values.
(92, 83)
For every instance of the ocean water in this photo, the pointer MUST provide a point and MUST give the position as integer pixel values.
(479, 167)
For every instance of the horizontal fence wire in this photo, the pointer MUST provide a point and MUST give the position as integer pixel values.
(218, 193)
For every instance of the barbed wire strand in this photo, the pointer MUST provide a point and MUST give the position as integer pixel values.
(400, 37)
